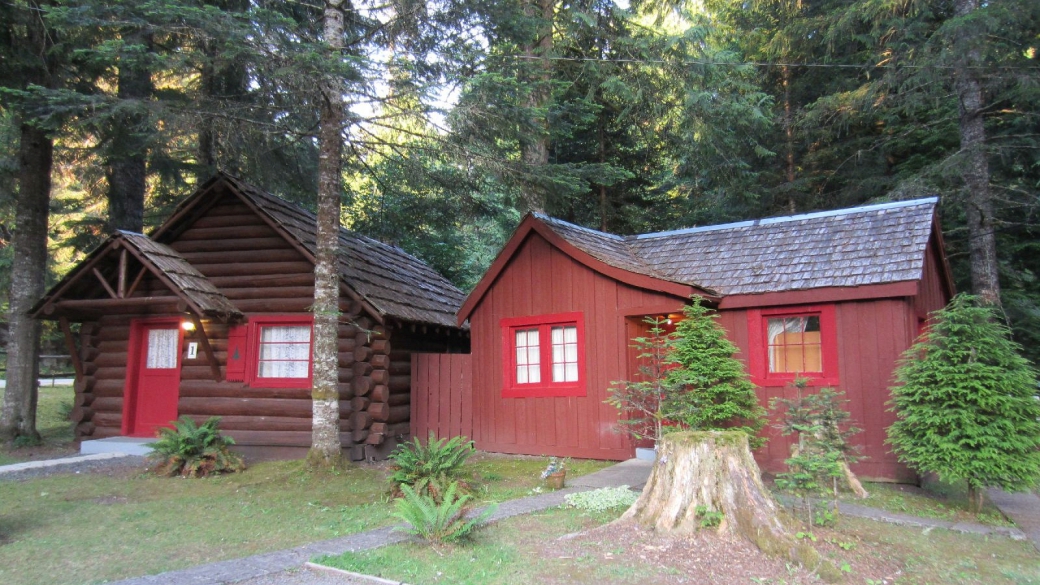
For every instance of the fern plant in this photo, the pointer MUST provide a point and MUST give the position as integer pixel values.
(440, 521)
(193, 450)
(429, 468)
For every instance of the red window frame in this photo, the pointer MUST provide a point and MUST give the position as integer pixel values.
(545, 387)
(758, 346)
(255, 324)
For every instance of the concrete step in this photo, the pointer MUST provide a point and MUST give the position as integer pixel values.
(127, 445)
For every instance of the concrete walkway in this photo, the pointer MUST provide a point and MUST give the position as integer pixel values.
(1023, 508)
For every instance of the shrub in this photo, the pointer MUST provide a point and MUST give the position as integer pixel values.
(602, 499)
(640, 403)
(442, 521)
(716, 391)
(966, 405)
(194, 450)
(429, 468)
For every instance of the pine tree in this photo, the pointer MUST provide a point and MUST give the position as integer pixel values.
(641, 403)
(967, 403)
(718, 393)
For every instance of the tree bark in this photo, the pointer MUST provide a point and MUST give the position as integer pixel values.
(126, 171)
(985, 278)
(35, 157)
(699, 473)
(325, 442)
(535, 149)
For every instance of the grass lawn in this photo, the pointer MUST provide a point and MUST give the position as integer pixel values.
(52, 421)
(105, 527)
(529, 549)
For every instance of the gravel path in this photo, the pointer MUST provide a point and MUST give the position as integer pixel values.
(307, 576)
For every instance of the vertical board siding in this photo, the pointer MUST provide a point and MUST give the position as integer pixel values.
(444, 383)
(931, 295)
(540, 279)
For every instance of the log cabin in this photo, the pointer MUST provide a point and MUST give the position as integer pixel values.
(835, 297)
(209, 316)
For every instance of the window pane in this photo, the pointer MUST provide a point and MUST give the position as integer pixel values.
(162, 349)
(521, 374)
(794, 345)
(532, 356)
(534, 374)
(572, 373)
(285, 351)
(559, 373)
(570, 335)
(557, 335)
(565, 354)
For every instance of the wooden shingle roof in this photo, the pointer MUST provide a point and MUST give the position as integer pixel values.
(875, 244)
(391, 280)
(184, 280)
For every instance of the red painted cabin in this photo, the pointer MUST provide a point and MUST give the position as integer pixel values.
(209, 316)
(836, 296)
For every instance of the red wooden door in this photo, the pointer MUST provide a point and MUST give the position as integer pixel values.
(153, 378)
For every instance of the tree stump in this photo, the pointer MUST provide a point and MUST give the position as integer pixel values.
(701, 474)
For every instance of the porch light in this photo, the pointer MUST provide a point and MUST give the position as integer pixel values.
(188, 326)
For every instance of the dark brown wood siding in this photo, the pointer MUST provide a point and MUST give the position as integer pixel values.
(538, 280)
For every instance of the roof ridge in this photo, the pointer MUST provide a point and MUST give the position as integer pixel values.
(787, 218)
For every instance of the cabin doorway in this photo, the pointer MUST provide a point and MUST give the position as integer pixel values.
(153, 376)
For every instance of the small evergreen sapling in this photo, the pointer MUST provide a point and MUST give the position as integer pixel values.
(640, 404)
(966, 403)
(713, 388)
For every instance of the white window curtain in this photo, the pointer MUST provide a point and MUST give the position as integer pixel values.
(528, 360)
(285, 351)
(162, 349)
(565, 354)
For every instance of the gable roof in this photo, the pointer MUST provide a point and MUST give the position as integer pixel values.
(387, 279)
(869, 245)
(187, 283)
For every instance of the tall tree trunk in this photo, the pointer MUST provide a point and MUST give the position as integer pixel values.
(985, 278)
(788, 120)
(535, 149)
(126, 170)
(325, 444)
(35, 157)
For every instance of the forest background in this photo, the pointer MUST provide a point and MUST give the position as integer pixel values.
(461, 115)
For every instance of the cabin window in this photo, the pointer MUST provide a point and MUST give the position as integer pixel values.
(280, 351)
(544, 355)
(793, 343)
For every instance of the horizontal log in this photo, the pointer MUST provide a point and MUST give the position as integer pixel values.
(346, 375)
(101, 432)
(380, 393)
(347, 330)
(400, 383)
(114, 330)
(278, 438)
(191, 371)
(362, 369)
(375, 439)
(380, 346)
(359, 403)
(399, 399)
(400, 368)
(83, 399)
(382, 412)
(246, 256)
(230, 206)
(362, 353)
(219, 234)
(269, 292)
(360, 420)
(211, 220)
(226, 283)
(187, 248)
(359, 435)
(109, 372)
(345, 344)
(89, 368)
(400, 355)
(378, 361)
(111, 360)
(84, 385)
(81, 414)
(346, 359)
(361, 385)
(108, 404)
(210, 388)
(108, 388)
(84, 429)
(244, 407)
(380, 376)
(297, 305)
(89, 354)
(260, 423)
(257, 268)
(107, 419)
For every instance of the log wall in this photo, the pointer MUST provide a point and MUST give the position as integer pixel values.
(261, 273)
